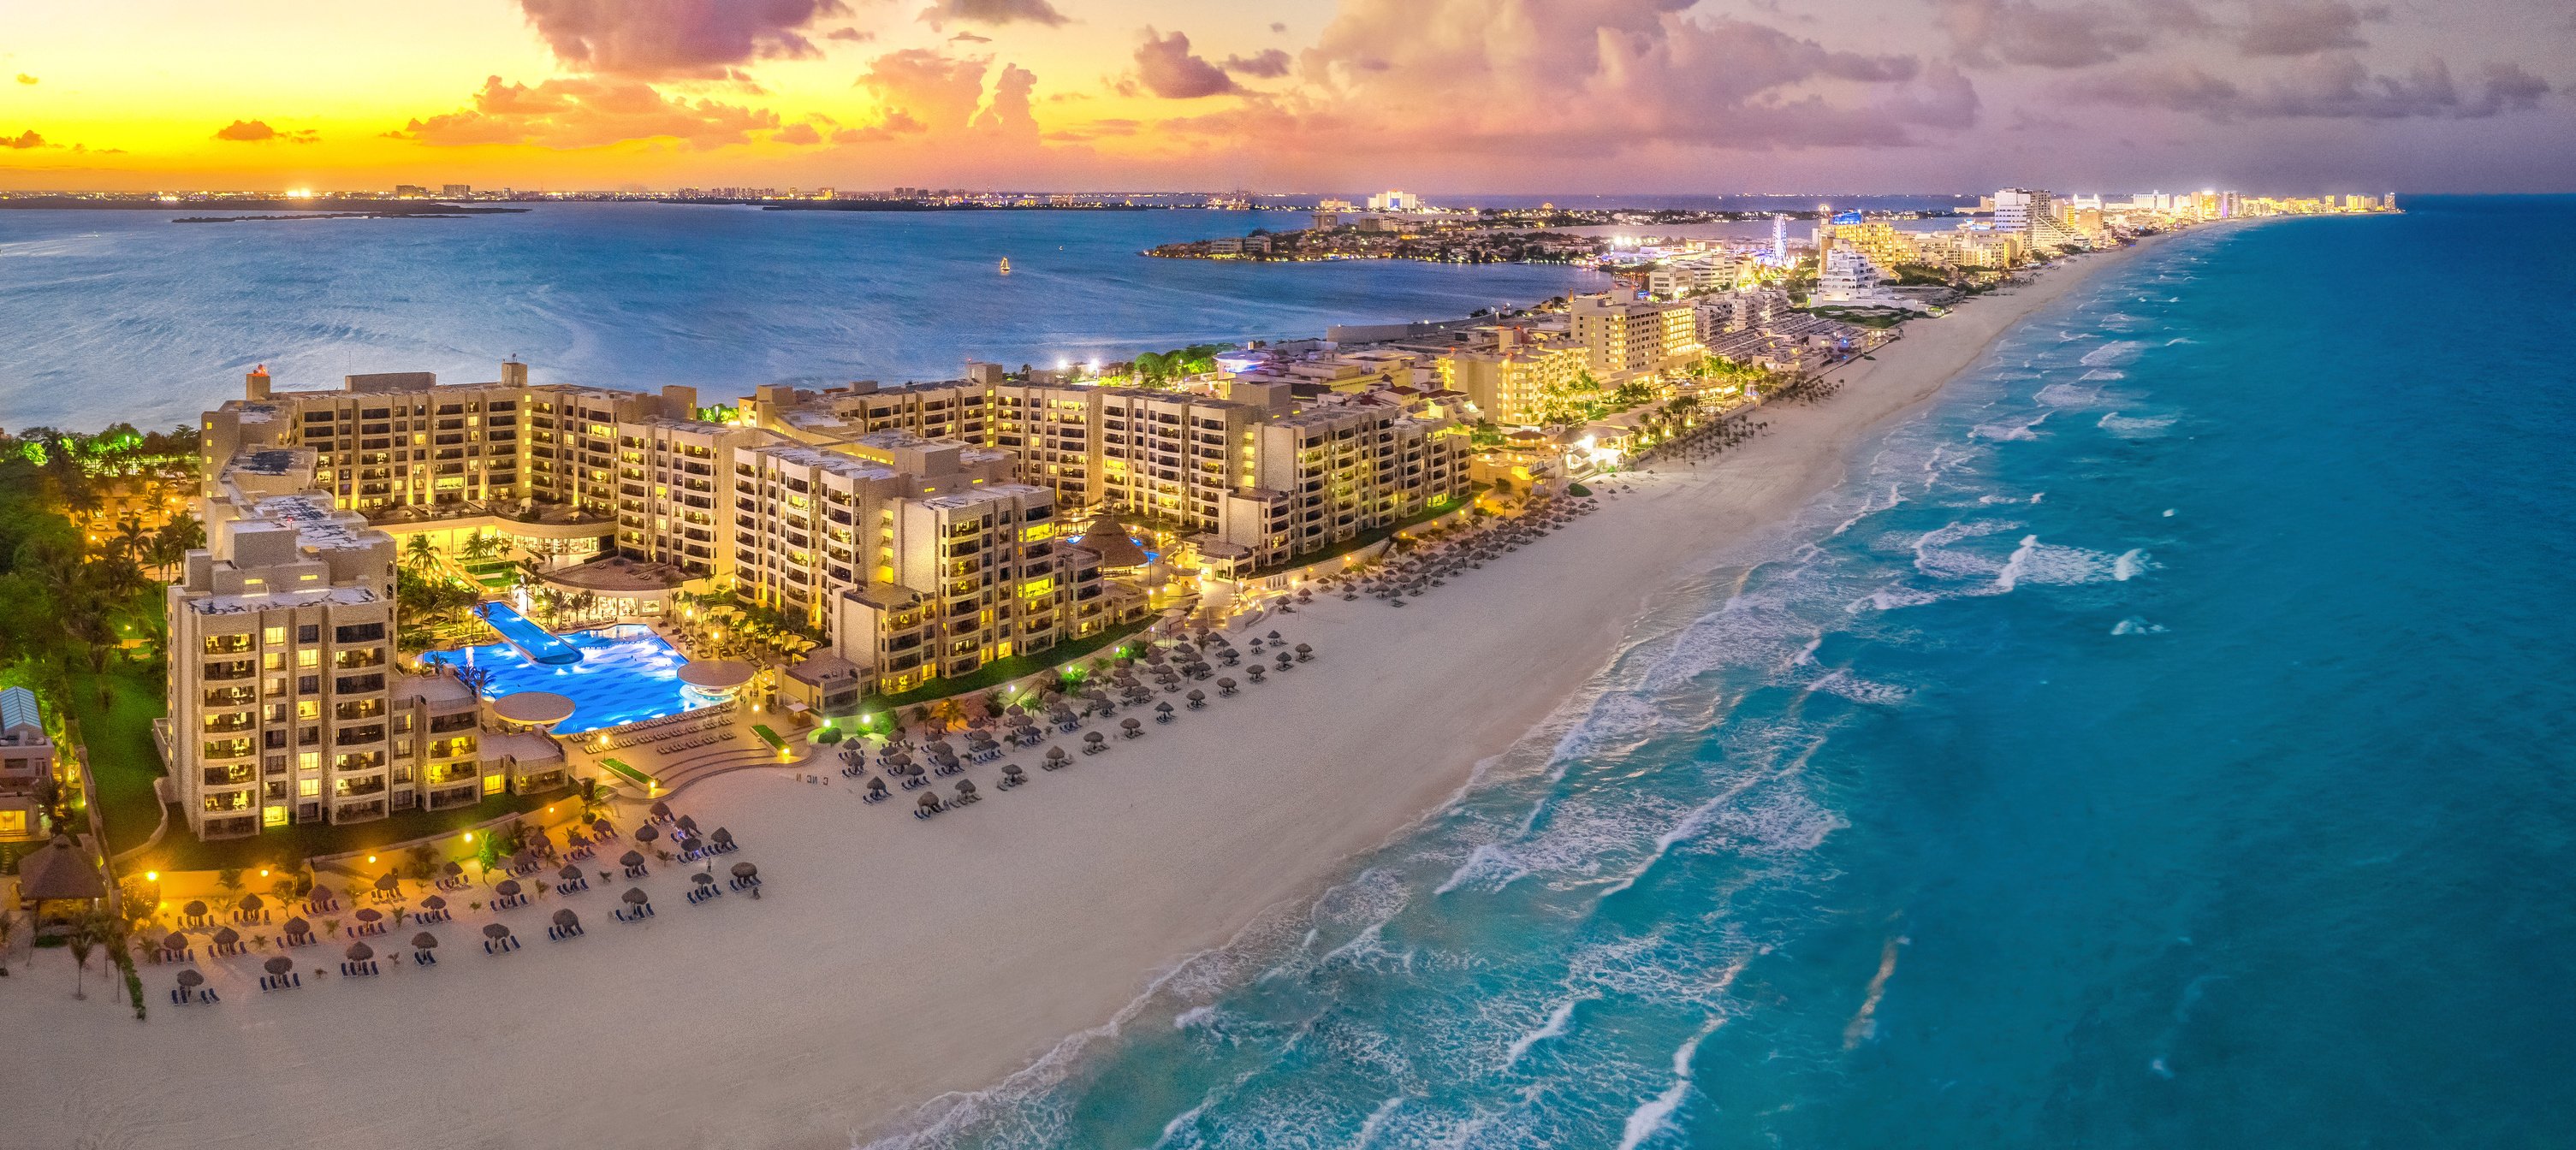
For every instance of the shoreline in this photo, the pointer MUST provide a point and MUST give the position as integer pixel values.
(894, 963)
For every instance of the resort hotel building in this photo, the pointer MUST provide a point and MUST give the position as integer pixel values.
(925, 531)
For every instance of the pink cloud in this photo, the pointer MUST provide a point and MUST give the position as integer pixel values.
(1166, 67)
(943, 12)
(675, 39)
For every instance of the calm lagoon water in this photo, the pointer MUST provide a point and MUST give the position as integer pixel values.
(123, 315)
(2162, 742)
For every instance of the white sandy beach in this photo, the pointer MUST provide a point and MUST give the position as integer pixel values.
(892, 960)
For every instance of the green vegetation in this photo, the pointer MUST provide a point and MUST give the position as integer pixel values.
(1578, 491)
(304, 840)
(80, 613)
(1000, 671)
(769, 736)
(1163, 368)
(115, 711)
(628, 773)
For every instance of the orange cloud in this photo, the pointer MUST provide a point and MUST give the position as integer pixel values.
(586, 113)
(258, 132)
(22, 141)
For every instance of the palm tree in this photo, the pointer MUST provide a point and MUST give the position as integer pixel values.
(946, 713)
(83, 940)
(419, 552)
(129, 539)
(481, 546)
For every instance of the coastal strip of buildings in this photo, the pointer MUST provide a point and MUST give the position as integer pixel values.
(925, 530)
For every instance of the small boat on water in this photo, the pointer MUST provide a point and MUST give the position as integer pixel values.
(1006, 265)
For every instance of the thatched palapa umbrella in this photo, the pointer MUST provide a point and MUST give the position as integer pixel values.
(745, 870)
(369, 914)
(278, 964)
(634, 896)
(227, 937)
(194, 909)
(721, 837)
(1055, 754)
(630, 858)
(433, 902)
(360, 952)
(646, 834)
(297, 925)
(252, 902)
(190, 980)
(389, 883)
(702, 878)
(566, 919)
(424, 941)
(508, 888)
(176, 941)
(568, 873)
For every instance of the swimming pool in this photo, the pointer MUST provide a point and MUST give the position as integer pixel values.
(541, 645)
(619, 675)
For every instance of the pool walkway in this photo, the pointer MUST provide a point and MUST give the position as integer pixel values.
(675, 770)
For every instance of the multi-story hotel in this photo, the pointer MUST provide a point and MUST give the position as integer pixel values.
(921, 528)
(1509, 381)
(285, 705)
(1623, 340)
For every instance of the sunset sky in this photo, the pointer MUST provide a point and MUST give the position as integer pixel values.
(1292, 95)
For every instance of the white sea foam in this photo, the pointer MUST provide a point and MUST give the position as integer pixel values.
(2113, 353)
(1846, 685)
(1558, 1021)
(2010, 576)
(1376, 1122)
(1934, 556)
(2135, 426)
(1894, 598)
(1483, 864)
(2130, 563)
(2068, 395)
(2134, 626)
(1194, 1016)
(1655, 1116)
(2010, 432)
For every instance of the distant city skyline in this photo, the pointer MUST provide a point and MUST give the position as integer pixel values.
(1449, 97)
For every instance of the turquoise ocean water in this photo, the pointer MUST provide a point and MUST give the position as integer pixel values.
(123, 315)
(2161, 742)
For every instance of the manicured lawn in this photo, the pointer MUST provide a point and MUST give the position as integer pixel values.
(123, 761)
(628, 773)
(769, 736)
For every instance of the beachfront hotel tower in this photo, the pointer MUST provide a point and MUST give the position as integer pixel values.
(281, 634)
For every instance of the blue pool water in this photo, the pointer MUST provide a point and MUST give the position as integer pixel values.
(2162, 742)
(538, 644)
(624, 674)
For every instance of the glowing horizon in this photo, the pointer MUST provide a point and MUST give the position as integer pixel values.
(1451, 96)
